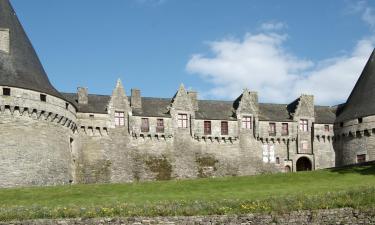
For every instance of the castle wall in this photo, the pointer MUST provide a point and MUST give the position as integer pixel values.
(324, 152)
(38, 145)
(354, 138)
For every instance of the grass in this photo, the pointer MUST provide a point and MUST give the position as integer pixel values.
(332, 188)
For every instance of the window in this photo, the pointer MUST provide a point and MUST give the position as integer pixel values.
(361, 158)
(326, 128)
(341, 124)
(304, 145)
(360, 120)
(303, 125)
(182, 120)
(92, 116)
(66, 105)
(207, 127)
(272, 129)
(119, 119)
(145, 127)
(246, 122)
(4, 40)
(160, 126)
(285, 129)
(6, 91)
(224, 127)
(43, 97)
(277, 160)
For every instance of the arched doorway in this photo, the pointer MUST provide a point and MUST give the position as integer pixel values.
(303, 164)
(287, 169)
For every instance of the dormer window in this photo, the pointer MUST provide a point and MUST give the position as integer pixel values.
(119, 119)
(182, 120)
(246, 122)
(43, 97)
(304, 125)
(4, 40)
(6, 91)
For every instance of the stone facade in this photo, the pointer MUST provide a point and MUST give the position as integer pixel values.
(50, 138)
(313, 217)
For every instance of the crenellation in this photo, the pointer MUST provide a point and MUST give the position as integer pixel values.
(92, 138)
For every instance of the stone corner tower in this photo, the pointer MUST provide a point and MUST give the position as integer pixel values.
(37, 124)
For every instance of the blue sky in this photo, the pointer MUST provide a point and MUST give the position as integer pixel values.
(217, 47)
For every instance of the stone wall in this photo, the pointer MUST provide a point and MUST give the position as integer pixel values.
(316, 217)
(38, 140)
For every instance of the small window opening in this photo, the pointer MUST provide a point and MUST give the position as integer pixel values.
(43, 97)
(6, 91)
(67, 105)
(145, 125)
(207, 127)
(341, 124)
(91, 115)
(361, 158)
(326, 128)
(160, 125)
(360, 120)
(277, 160)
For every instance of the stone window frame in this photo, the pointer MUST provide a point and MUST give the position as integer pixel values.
(247, 122)
(224, 128)
(7, 91)
(182, 120)
(145, 125)
(304, 125)
(326, 128)
(159, 125)
(43, 97)
(207, 127)
(284, 129)
(119, 118)
(272, 129)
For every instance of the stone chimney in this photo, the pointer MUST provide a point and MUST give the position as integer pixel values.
(82, 95)
(194, 99)
(135, 99)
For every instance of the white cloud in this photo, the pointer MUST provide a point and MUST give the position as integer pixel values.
(260, 62)
(367, 13)
(269, 26)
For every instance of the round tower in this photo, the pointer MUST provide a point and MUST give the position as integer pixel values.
(355, 122)
(37, 124)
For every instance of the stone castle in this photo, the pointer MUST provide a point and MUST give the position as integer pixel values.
(51, 138)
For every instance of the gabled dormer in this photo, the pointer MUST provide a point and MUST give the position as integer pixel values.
(246, 107)
(247, 103)
(182, 100)
(182, 111)
(302, 111)
(118, 106)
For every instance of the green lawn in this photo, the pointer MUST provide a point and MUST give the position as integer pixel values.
(347, 187)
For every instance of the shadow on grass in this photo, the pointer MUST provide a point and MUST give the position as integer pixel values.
(366, 168)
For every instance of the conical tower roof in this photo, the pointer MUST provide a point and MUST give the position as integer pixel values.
(20, 66)
(361, 102)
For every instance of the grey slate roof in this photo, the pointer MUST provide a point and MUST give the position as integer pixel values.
(97, 103)
(361, 101)
(325, 114)
(21, 66)
(208, 109)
